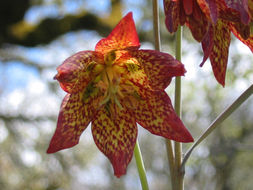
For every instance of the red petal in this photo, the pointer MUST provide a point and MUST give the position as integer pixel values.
(172, 13)
(188, 6)
(157, 115)
(242, 7)
(228, 13)
(123, 36)
(74, 74)
(213, 10)
(115, 135)
(219, 53)
(207, 44)
(73, 118)
(198, 26)
(159, 67)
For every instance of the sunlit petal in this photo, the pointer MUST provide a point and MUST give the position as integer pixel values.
(157, 115)
(115, 135)
(123, 36)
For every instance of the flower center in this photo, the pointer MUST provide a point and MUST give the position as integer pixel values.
(112, 81)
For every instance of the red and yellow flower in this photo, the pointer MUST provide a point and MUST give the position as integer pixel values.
(211, 23)
(115, 87)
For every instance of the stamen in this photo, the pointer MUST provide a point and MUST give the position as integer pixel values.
(110, 57)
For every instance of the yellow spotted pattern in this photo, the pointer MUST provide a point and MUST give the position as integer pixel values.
(73, 118)
(77, 71)
(115, 136)
(219, 52)
(156, 114)
(159, 67)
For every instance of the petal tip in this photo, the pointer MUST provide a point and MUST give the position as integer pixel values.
(119, 164)
(56, 76)
(51, 150)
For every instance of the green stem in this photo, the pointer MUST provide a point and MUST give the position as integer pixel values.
(156, 26)
(242, 98)
(169, 149)
(177, 145)
(171, 160)
(140, 166)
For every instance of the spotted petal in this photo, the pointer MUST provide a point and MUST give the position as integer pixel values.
(218, 53)
(228, 13)
(76, 71)
(75, 115)
(172, 13)
(198, 24)
(242, 7)
(133, 74)
(159, 67)
(123, 36)
(157, 115)
(115, 135)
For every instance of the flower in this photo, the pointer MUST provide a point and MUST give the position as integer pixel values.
(233, 16)
(211, 23)
(115, 87)
(190, 12)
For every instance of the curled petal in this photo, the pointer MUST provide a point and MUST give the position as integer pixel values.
(248, 41)
(242, 29)
(77, 71)
(123, 36)
(115, 134)
(157, 115)
(73, 119)
(219, 53)
(159, 67)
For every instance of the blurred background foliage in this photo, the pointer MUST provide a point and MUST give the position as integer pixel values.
(37, 35)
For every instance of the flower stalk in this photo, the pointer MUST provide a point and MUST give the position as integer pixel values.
(140, 166)
(179, 176)
(242, 98)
